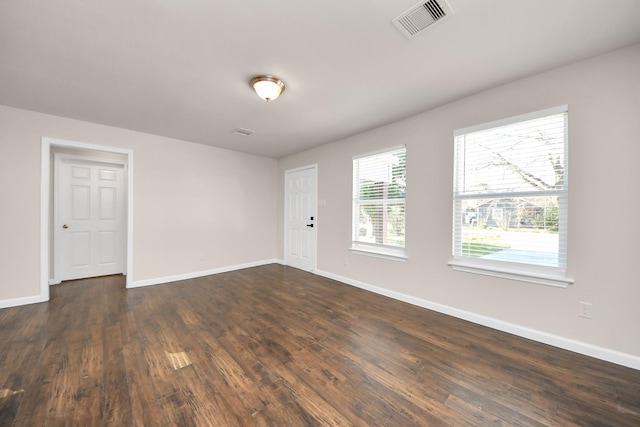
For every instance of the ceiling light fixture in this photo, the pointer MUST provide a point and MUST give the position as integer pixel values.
(267, 87)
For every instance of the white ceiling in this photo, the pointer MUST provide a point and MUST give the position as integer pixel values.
(181, 68)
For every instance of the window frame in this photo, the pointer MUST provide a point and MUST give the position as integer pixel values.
(528, 272)
(390, 252)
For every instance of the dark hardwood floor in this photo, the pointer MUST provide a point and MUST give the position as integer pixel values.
(275, 346)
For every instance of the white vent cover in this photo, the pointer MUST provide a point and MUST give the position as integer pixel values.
(242, 131)
(422, 16)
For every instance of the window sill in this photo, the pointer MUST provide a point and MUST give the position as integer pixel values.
(376, 252)
(521, 272)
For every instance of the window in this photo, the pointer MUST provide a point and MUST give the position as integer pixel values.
(510, 198)
(379, 187)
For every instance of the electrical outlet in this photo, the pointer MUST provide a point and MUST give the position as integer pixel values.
(346, 260)
(585, 309)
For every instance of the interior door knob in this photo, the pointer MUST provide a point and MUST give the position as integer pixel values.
(310, 225)
(65, 226)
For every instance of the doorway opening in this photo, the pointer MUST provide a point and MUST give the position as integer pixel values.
(72, 248)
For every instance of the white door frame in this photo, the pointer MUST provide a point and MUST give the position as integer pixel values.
(46, 207)
(286, 243)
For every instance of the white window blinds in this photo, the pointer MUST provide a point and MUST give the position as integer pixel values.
(379, 188)
(510, 190)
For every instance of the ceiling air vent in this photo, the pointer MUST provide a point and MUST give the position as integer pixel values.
(422, 16)
(242, 131)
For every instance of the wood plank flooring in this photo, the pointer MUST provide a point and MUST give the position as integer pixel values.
(275, 346)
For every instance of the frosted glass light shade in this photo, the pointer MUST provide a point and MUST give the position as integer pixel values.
(267, 87)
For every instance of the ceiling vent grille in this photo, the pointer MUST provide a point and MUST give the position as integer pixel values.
(242, 131)
(422, 16)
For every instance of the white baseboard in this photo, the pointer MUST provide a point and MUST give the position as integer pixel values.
(15, 302)
(587, 349)
(186, 276)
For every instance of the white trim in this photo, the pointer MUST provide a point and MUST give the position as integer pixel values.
(511, 120)
(302, 168)
(602, 353)
(393, 254)
(129, 267)
(15, 302)
(196, 274)
(550, 276)
(45, 209)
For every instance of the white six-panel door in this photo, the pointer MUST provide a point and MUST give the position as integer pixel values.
(301, 218)
(89, 218)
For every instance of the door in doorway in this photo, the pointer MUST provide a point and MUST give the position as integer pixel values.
(90, 212)
(301, 218)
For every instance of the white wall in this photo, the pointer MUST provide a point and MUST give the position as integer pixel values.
(196, 208)
(603, 95)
